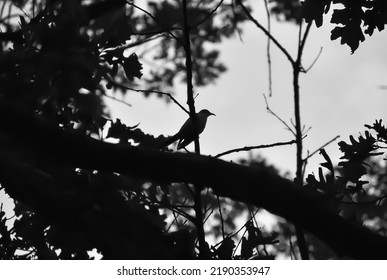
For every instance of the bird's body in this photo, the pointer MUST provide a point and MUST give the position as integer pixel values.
(187, 134)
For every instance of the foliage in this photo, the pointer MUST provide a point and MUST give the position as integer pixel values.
(56, 60)
(289, 10)
(356, 188)
(353, 18)
(168, 55)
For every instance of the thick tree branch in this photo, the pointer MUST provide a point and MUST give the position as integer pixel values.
(199, 220)
(241, 183)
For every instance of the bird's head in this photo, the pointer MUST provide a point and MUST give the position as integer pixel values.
(206, 113)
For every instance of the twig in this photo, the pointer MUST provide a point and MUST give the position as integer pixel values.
(221, 216)
(20, 8)
(156, 32)
(303, 41)
(244, 226)
(141, 41)
(209, 15)
(268, 48)
(208, 216)
(235, 22)
(174, 221)
(173, 208)
(275, 115)
(314, 61)
(267, 33)
(154, 18)
(152, 91)
(117, 99)
(376, 200)
(249, 148)
(323, 146)
(2, 9)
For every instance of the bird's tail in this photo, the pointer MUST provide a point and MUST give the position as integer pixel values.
(170, 140)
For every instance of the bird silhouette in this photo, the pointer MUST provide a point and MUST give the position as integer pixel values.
(187, 134)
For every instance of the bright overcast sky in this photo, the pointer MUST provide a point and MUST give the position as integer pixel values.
(340, 94)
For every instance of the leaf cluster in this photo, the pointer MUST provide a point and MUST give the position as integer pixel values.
(353, 18)
(59, 59)
(288, 10)
(356, 188)
(208, 23)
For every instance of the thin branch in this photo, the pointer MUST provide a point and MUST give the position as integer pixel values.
(249, 148)
(240, 239)
(191, 192)
(209, 15)
(21, 9)
(252, 216)
(268, 48)
(208, 216)
(141, 41)
(172, 208)
(174, 221)
(2, 9)
(323, 146)
(244, 226)
(117, 99)
(275, 115)
(376, 200)
(152, 91)
(314, 61)
(267, 33)
(303, 40)
(155, 19)
(235, 22)
(305, 130)
(156, 32)
(221, 216)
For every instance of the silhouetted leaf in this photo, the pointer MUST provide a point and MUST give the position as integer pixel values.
(314, 10)
(380, 129)
(132, 67)
(225, 250)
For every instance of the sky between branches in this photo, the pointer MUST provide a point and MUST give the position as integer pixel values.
(340, 94)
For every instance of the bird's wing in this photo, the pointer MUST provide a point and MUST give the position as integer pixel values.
(187, 132)
(186, 129)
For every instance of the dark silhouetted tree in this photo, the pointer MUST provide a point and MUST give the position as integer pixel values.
(76, 191)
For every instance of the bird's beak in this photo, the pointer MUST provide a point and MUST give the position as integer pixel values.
(212, 114)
